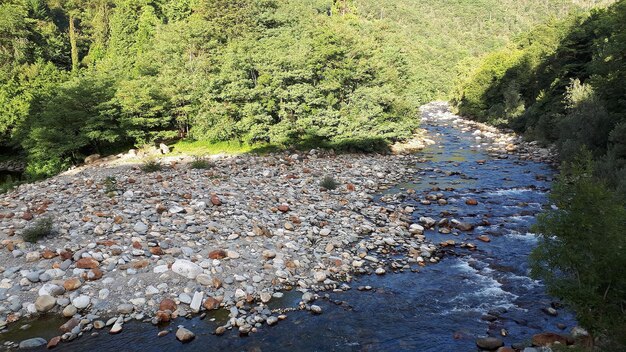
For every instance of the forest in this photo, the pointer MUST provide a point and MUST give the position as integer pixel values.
(563, 84)
(82, 77)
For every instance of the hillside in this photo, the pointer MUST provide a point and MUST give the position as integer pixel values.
(110, 74)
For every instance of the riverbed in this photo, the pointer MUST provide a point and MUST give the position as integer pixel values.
(470, 293)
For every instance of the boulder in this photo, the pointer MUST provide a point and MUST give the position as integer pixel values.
(45, 303)
(186, 268)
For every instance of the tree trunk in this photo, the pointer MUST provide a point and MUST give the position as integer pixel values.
(73, 44)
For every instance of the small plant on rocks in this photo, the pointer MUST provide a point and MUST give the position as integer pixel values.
(151, 166)
(329, 183)
(201, 163)
(110, 186)
(40, 229)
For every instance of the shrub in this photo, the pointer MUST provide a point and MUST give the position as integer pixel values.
(201, 163)
(40, 229)
(151, 166)
(329, 183)
(581, 253)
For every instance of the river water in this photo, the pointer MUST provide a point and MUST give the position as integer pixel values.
(438, 308)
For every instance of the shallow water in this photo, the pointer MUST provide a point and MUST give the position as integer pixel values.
(438, 308)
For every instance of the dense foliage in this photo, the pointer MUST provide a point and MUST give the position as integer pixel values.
(78, 77)
(561, 83)
(582, 252)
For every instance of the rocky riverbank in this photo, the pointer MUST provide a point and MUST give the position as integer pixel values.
(180, 241)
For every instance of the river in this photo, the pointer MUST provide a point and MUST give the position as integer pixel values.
(440, 307)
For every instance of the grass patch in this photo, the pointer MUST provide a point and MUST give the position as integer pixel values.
(201, 163)
(40, 229)
(329, 183)
(151, 166)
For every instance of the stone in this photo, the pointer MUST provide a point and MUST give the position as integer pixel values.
(204, 279)
(51, 290)
(196, 301)
(167, 304)
(186, 268)
(548, 339)
(140, 228)
(32, 343)
(125, 308)
(72, 284)
(92, 158)
(69, 325)
(87, 263)
(45, 303)
(316, 309)
(211, 303)
(265, 297)
(283, 208)
(505, 349)
(69, 311)
(319, 276)
(184, 335)
(116, 328)
(380, 271)
(489, 343)
(272, 320)
(53, 342)
(215, 200)
(471, 201)
(81, 302)
(483, 238)
(217, 254)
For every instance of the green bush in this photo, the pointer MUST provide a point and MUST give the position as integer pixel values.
(581, 254)
(40, 229)
(201, 163)
(151, 165)
(329, 183)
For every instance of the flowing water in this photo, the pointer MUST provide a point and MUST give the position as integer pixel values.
(438, 308)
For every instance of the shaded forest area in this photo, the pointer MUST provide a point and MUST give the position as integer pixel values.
(80, 77)
(563, 83)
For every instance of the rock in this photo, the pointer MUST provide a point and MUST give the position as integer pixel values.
(116, 328)
(45, 303)
(215, 200)
(69, 325)
(92, 158)
(87, 263)
(269, 254)
(72, 284)
(471, 201)
(204, 279)
(550, 311)
(32, 343)
(217, 254)
(505, 349)
(578, 332)
(140, 228)
(196, 301)
(69, 311)
(51, 290)
(489, 343)
(98, 324)
(211, 303)
(380, 271)
(265, 297)
(316, 309)
(54, 342)
(483, 238)
(125, 308)
(164, 149)
(163, 316)
(81, 302)
(184, 335)
(167, 304)
(548, 339)
(272, 320)
(220, 330)
(319, 276)
(283, 208)
(416, 229)
(186, 268)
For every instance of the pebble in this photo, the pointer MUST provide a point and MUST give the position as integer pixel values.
(184, 335)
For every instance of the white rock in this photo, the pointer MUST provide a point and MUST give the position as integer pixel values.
(81, 302)
(186, 268)
(196, 301)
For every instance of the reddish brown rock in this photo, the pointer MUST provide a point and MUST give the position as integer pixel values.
(215, 200)
(136, 245)
(94, 274)
(140, 264)
(167, 304)
(156, 250)
(131, 180)
(471, 201)
(72, 284)
(217, 254)
(107, 243)
(163, 316)
(27, 216)
(484, 238)
(211, 303)
(160, 208)
(69, 325)
(48, 254)
(283, 208)
(350, 187)
(65, 255)
(118, 219)
(217, 283)
(87, 263)
(547, 339)
(54, 342)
